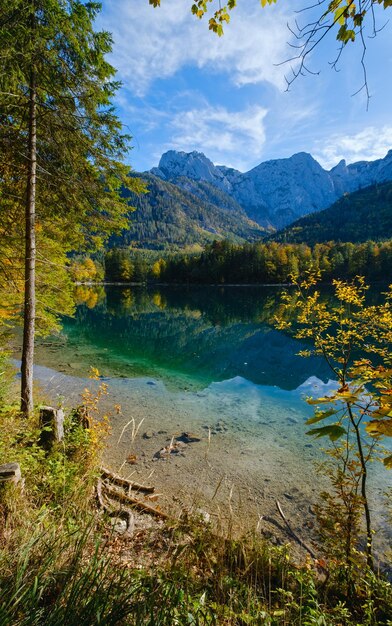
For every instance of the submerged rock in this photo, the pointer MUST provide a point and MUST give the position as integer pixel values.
(174, 447)
(186, 437)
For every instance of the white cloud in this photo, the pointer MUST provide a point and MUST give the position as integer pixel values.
(366, 145)
(156, 43)
(235, 139)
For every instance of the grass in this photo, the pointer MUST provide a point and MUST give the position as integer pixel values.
(61, 562)
(75, 578)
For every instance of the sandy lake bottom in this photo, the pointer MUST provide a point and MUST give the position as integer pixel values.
(230, 450)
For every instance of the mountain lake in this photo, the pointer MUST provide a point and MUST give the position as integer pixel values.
(206, 399)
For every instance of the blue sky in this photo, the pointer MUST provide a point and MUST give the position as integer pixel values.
(184, 88)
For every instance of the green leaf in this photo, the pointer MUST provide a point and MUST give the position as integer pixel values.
(339, 16)
(334, 432)
(350, 35)
(320, 415)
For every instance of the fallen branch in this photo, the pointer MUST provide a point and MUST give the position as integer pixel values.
(120, 513)
(294, 534)
(122, 482)
(126, 499)
(98, 488)
(271, 520)
(127, 516)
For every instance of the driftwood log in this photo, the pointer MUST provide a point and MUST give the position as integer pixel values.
(128, 517)
(124, 514)
(112, 487)
(124, 498)
(101, 503)
(122, 482)
(293, 533)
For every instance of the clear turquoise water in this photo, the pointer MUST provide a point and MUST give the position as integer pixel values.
(202, 335)
(188, 359)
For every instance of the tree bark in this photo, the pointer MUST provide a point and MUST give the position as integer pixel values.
(30, 257)
(369, 532)
(51, 422)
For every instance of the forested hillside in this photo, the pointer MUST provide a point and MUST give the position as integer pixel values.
(188, 213)
(190, 201)
(360, 216)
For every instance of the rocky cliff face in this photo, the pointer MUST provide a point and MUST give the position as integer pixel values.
(193, 165)
(277, 192)
(285, 189)
(348, 178)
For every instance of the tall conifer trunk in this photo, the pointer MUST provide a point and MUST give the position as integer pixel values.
(30, 256)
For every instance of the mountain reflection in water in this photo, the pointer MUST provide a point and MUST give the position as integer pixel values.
(205, 333)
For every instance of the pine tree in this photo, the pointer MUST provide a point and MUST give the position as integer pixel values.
(61, 144)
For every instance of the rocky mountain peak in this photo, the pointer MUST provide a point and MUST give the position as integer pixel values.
(194, 165)
(339, 168)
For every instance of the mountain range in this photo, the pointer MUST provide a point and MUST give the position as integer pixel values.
(277, 192)
(191, 200)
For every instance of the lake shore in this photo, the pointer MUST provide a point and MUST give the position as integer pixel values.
(211, 461)
(177, 284)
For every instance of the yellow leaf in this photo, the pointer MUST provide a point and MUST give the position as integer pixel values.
(379, 427)
(323, 400)
(388, 462)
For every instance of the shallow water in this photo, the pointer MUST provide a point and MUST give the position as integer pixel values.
(206, 361)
